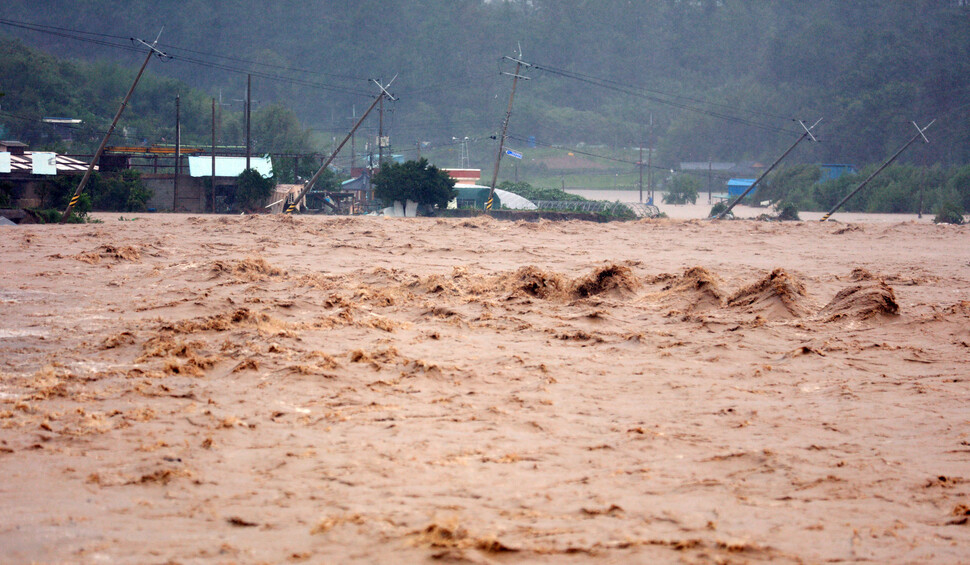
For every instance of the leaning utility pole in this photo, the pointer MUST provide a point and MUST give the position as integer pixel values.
(353, 143)
(808, 133)
(919, 134)
(309, 184)
(97, 154)
(505, 125)
(380, 136)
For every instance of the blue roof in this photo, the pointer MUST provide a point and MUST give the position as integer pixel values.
(741, 182)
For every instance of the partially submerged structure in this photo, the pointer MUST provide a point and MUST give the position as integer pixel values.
(24, 174)
(193, 193)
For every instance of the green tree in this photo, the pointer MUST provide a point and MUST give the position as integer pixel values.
(252, 190)
(6, 192)
(682, 189)
(791, 184)
(958, 186)
(414, 180)
(124, 192)
(949, 213)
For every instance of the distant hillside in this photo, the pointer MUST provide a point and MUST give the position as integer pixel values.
(722, 79)
(39, 86)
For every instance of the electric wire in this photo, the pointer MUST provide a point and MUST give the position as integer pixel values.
(79, 35)
(654, 96)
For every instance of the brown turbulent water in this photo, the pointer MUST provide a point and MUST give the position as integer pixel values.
(276, 389)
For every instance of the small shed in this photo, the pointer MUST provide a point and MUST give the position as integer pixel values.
(475, 196)
(472, 196)
(736, 187)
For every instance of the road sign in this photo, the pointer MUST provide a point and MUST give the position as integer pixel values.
(511, 153)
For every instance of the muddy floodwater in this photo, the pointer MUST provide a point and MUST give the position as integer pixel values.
(278, 389)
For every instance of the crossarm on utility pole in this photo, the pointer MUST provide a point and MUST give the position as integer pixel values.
(919, 134)
(97, 155)
(306, 188)
(808, 133)
(505, 126)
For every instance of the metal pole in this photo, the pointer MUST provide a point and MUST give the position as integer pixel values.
(104, 142)
(640, 163)
(919, 133)
(353, 144)
(249, 104)
(808, 133)
(380, 137)
(710, 179)
(650, 162)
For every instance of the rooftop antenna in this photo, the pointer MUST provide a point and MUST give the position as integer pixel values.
(97, 155)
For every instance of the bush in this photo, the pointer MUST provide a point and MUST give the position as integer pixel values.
(52, 216)
(790, 183)
(253, 190)
(718, 209)
(682, 189)
(6, 194)
(526, 190)
(119, 193)
(949, 213)
(959, 185)
(787, 212)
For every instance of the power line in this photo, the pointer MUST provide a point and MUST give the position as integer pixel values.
(80, 35)
(655, 96)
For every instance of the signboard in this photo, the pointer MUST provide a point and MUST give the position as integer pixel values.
(44, 163)
(512, 153)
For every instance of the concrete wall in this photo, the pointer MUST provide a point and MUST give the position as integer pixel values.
(191, 192)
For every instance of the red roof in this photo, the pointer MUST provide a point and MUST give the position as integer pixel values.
(464, 174)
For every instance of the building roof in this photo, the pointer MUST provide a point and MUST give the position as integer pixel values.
(39, 162)
(359, 183)
(706, 166)
(464, 175)
(229, 166)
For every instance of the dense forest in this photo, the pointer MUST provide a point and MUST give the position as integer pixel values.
(719, 79)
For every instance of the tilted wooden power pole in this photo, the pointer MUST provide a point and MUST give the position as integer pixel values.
(519, 63)
(919, 134)
(309, 184)
(97, 154)
(808, 133)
